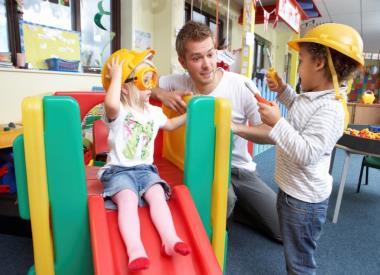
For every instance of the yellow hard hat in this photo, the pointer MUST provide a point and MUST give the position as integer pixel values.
(339, 37)
(132, 60)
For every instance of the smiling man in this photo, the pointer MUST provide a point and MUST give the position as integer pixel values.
(196, 52)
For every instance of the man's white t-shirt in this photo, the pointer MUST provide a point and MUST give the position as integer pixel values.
(131, 136)
(244, 107)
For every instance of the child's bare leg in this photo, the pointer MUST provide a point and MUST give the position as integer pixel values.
(129, 226)
(163, 221)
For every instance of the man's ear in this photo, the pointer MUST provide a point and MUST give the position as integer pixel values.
(182, 61)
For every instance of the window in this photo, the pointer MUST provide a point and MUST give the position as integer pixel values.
(96, 38)
(4, 41)
(97, 21)
(260, 59)
(205, 18)
(198, 17)
(54, 14)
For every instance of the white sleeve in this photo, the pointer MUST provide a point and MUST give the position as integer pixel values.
(119, 119)
(159, 116)
(174, 82)
(319, 135)
(287, 97)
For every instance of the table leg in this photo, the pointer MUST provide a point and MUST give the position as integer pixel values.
(332, 160)
(341, 185)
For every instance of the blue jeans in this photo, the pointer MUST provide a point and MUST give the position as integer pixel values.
(301, 226)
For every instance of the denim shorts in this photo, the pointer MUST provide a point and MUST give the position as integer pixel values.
(137, 178)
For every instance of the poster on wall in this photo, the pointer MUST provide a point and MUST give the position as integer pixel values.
(143, 40)
(289, 13)
(40, 42)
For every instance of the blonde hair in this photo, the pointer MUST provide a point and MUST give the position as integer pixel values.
(132, 97)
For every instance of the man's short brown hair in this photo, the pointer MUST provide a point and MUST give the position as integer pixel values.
(191, 31)
(344, 65)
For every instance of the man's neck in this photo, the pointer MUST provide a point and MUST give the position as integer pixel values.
(208, 88)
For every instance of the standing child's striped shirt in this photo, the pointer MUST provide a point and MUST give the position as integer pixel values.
(304, 142)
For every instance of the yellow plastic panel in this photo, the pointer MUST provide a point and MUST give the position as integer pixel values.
(32, 118)
(174, 141)
(247, 52)
(221, 176)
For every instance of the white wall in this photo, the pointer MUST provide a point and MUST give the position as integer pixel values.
(278, 38)
(162, 19)
(17, 84)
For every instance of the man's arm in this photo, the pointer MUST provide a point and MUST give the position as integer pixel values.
(257, 134)
(173, 99)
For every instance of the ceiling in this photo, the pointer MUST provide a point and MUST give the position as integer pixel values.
(363, 15)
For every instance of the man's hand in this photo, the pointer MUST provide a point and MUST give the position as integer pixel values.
(174, 100)
(275, 83)
(235, 128)
(270, 115)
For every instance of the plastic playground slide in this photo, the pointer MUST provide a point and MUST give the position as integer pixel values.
(66, 212)
(109, 251)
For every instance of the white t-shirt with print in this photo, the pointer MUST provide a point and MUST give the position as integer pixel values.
(131, 136)
(244, 107)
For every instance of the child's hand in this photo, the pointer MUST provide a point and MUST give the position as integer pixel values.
(115, 68)
(270, 115)
(275, 83)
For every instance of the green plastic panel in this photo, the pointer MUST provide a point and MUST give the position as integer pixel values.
(67, 186)
(21, 179)
(200, 147)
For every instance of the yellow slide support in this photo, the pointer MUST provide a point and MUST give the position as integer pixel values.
(221, 176)
(32, 118)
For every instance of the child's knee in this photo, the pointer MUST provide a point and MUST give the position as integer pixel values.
(155, 192)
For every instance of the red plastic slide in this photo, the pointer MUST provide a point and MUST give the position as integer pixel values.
(109, 252)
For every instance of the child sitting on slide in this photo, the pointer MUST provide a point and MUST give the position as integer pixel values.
(129, 177)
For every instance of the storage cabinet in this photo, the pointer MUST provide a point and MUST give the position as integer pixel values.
(364, 113)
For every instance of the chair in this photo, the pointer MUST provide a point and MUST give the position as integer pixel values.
(373, 162)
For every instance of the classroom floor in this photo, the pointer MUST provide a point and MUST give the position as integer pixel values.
(348, 247)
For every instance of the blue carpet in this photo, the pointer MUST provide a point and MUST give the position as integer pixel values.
(16, 254)
(349, 247)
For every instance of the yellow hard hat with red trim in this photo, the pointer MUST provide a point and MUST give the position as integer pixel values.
(131, 60)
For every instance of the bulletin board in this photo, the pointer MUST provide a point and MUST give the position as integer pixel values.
(40, 42)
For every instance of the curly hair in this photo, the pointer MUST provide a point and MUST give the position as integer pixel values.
(191, 31)
(344, 65)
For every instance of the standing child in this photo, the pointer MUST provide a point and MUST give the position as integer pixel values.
(328, 55)
(129, 177)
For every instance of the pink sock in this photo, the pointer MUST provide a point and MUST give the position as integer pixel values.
(163, 221)
(129, 226)
(180, 248)
(138, 264)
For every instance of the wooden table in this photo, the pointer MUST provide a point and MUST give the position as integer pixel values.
(7, 135)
